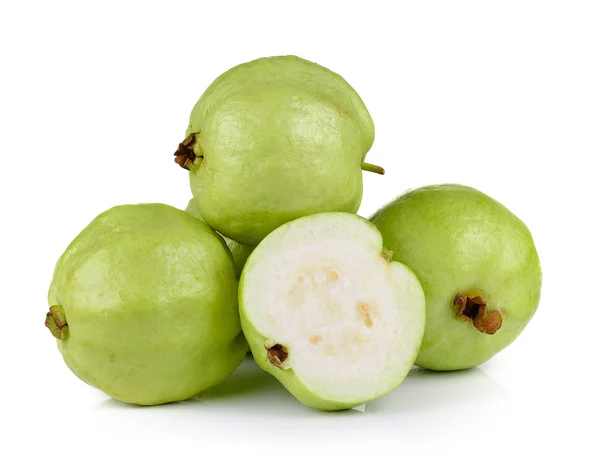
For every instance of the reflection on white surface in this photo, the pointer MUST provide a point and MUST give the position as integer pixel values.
(251, 391)
(424, 390)
(252, 405)
(421, 390)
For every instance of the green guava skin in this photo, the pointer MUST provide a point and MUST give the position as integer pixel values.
(240, 252)
(458, 240)
(277, 138)
(149, 295)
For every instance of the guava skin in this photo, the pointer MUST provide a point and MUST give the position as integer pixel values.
(276, 139)
(458, 240)
(239, 252)
(149, 297)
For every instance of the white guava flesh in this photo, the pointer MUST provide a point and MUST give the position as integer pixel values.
(328, 313)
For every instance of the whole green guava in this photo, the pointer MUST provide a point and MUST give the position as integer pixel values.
(143, 304)
(478, 266)
(240, 252)
(272, 140)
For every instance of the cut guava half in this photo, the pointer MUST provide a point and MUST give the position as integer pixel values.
(328, 313)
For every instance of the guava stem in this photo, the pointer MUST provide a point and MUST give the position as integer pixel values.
(475, 309)
(387, 254)
(56, 321)
(372, 168)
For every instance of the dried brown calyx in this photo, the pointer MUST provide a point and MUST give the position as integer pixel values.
(475, 309)
(184, 155)
(56, 322)
(277, 354)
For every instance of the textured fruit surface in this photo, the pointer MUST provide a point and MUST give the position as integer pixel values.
(148, 294)
(273, 140)
(240, 252)
(478, 266)
(327, 314)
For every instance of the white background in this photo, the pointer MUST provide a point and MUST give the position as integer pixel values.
(503, 96)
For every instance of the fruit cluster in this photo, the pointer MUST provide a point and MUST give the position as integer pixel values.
(152, 304)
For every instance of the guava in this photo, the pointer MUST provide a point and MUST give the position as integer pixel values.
(328, 314)
(240, 252)
(478, 266)
(143, 304)
(273, 140)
